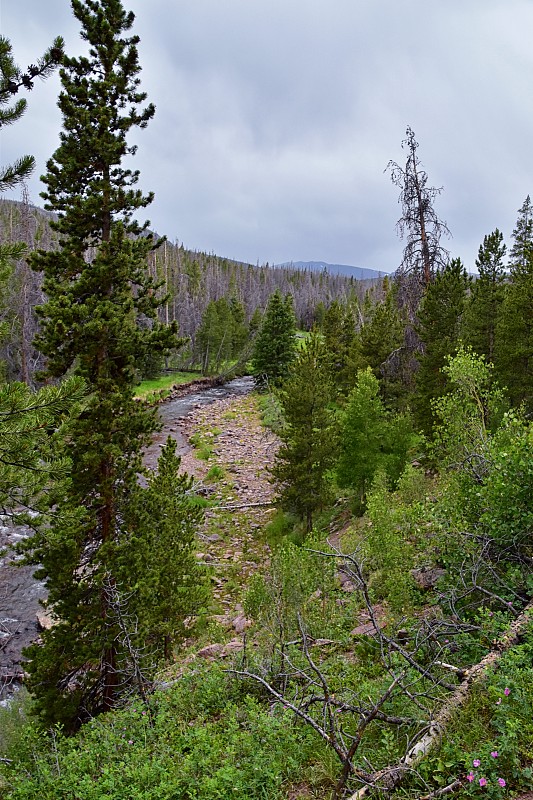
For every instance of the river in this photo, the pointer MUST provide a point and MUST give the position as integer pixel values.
(20, 593)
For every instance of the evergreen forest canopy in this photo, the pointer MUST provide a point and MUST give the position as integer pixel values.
(386, 601)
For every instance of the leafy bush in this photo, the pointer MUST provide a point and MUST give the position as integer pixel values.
(197, 744)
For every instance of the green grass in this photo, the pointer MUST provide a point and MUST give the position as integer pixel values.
(146, 389)
(215, 473)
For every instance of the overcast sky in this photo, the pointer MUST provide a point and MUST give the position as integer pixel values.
(276, 118)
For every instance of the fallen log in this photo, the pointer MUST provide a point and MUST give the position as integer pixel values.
(390, 777)
(263, 504)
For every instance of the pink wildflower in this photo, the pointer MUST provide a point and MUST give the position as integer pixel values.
(476, 762)
(470, 777)
(501, 781)
(482, 781)
(494, 754)
(507, 691)
(498, 701)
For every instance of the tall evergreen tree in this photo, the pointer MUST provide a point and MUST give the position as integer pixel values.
(239, 333)
(275, 343)
(484, 305)
(308, 448)
(98, 290)
(522, 237)
(438, 327)
(214, 338)
(514, 333)
(158, 555)
(338, 329)
(381, 339)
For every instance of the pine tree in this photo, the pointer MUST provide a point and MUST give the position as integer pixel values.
(98, 291)
(308, 448)
(514, 332)
(11, 80)
(522, 237)
(381, 339)
(439, 319)
(213, 338)
(338, 329)
(484, 305)
(275, 343)
(28, 462)
(239, 334)
(158, 555)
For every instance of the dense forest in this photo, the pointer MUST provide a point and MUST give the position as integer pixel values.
(334, 599)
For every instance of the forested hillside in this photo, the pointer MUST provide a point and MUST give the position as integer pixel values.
(191, 282)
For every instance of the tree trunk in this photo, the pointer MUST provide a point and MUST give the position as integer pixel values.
(391, 776)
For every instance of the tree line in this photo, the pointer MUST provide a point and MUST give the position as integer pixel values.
(206, 295)
(362, 395)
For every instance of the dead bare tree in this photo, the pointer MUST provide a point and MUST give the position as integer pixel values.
(416, 669)
(135, 667)
(419, 223)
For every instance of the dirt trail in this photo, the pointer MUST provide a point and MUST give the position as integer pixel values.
(236, 475)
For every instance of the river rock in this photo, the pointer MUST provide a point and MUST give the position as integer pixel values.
(211, 651)
(427, 578)
(240, 623)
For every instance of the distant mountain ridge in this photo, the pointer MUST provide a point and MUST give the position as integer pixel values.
(359, 273)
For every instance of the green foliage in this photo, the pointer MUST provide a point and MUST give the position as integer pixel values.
(514, 334)
(271, 411)
(520, 254)
(298, 586)
(156, 559)
(11, 80)
(438, 327)
(215, 473)
(275, 344)
(371, 437)
(196, 743)
(381, 335)
(466, 415)
(338, 330)
(484, 510)
(309, 447)
(388, 548)
(97, 289)
(28, 459)
(222, 334)
(484, 305)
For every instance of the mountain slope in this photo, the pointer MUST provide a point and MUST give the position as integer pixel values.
(359, 273)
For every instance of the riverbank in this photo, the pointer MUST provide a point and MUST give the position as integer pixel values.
(236, 476)
(21, 614)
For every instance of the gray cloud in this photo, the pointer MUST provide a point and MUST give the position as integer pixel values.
(276, 118)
